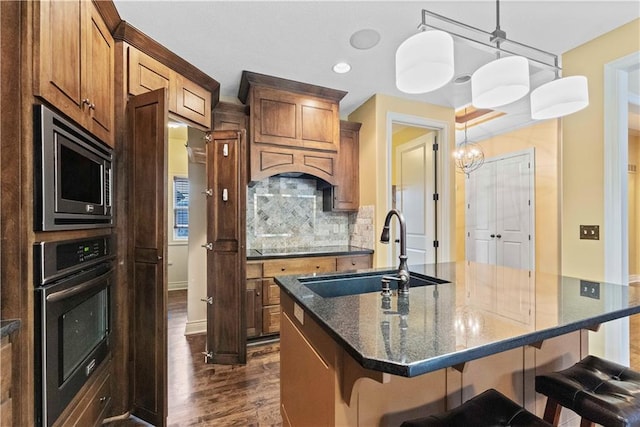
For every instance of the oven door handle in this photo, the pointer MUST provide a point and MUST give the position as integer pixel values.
(57, 296)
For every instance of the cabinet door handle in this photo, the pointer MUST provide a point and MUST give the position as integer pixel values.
(103, 399)
(499, 236)
(257, 294)
(492, 235)
(225, 195)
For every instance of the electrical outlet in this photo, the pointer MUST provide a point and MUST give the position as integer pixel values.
(590, 232)
(589, 289)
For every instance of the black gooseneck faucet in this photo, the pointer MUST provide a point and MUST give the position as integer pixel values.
(403, 271)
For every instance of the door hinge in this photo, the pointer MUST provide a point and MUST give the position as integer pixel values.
(529, 236)
(208, 246)
(436, 197)
(208, 300)
(436, 244)
(208, 355)
(208, 192)
(435, 147)
(207, 137)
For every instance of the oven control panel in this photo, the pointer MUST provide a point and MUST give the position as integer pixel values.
(59, 258)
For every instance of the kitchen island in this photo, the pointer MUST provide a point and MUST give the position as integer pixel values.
(365, 359)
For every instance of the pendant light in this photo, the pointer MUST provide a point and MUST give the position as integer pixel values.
(559, 97)
(424, 62)
(500, 82)
(468, 156)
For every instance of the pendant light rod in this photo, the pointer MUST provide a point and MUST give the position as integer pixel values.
(498, 36)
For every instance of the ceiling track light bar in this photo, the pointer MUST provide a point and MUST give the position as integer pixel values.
(498, 37)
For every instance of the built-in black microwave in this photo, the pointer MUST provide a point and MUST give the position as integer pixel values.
(73, 175)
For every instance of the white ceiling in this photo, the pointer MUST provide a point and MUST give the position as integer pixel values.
(302, 40)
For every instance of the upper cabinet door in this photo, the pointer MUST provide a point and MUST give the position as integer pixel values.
(74, 52)
(99, 60)
(59, 53)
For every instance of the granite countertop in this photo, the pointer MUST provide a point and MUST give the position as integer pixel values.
(483, 310)
(8, 326)
(271, 253)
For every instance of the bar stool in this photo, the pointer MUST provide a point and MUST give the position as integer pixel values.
(598, 390)
(488, 409)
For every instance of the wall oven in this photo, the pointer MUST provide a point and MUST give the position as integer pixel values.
(72, 319)
(73, 175)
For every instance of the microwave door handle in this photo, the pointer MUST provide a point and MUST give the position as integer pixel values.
(57, 296)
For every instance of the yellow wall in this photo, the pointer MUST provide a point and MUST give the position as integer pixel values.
(374, 155)
(582, 151)
(544, 138)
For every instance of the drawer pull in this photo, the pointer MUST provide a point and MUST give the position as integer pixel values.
(353, 263)
(282, 269)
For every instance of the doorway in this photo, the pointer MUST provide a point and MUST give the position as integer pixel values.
(413, 187)
(617, 95)
(425, 146)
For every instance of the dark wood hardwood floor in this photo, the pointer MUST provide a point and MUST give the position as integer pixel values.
(201, 394)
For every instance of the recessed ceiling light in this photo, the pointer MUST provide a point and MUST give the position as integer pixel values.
(364, 39)
(342, 67)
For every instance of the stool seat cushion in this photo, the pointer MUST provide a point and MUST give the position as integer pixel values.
(489, 409)
(596, 389)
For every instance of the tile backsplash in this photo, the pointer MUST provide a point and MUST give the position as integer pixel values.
(287, 212)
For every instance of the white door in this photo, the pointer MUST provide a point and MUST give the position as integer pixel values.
(499, 212)
(414, 197)
(499, 226)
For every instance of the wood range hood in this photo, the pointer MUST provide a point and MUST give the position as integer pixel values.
(294, 128)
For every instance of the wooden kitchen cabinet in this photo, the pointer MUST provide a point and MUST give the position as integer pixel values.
(293, 127)
(74, 52)
(6, 380)
(260, 281)
(228, 116)
(186, 98)
(92, 402)
(345, 195)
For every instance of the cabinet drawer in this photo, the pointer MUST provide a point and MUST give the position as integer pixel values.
(286, 267)
(271, 319)
(270, 292)
(356, 262)
(254, 271)
(95, 410)
(5, 369)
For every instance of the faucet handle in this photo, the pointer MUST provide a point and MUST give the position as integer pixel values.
(386, 289)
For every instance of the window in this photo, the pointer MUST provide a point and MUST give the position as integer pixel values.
(180, 208)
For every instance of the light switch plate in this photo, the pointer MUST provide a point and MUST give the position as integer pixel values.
(590, 232)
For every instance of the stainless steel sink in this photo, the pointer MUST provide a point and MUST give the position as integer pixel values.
(343, 285)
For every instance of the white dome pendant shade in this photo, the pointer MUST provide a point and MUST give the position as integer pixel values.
(500, 82)
(424, 62)
(559, 98)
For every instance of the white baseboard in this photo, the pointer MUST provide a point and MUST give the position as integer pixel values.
(196, 327)
(634, 278)
(176, 286)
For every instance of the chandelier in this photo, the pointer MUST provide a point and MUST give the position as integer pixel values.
(424, 62)
(468, 156)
